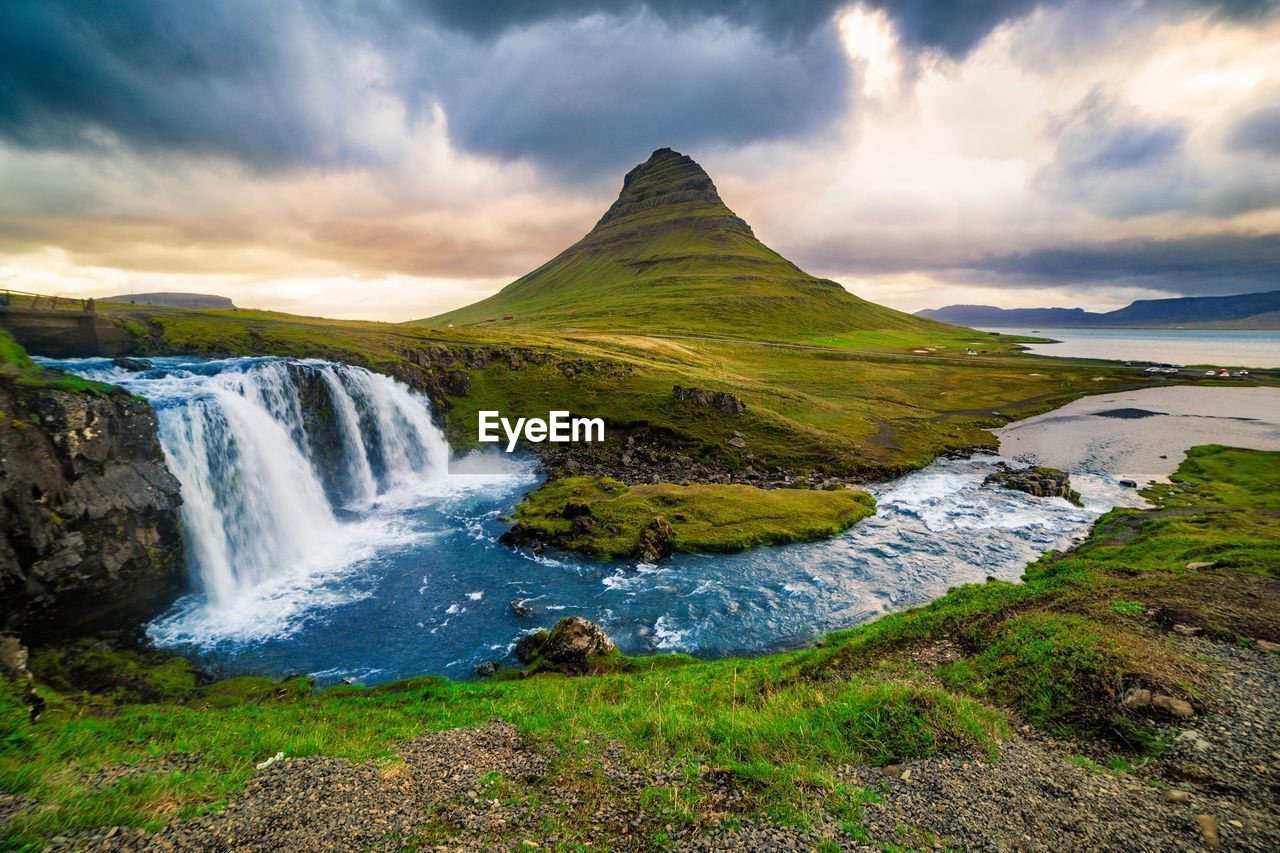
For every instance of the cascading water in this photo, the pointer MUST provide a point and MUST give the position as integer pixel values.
(271, 453)
(254, 469)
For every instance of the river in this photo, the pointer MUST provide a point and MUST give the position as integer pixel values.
(349, 546)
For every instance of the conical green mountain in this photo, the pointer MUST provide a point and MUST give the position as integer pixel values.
(669, 256)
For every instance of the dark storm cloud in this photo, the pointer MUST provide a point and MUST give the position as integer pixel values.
(1259, 131)
(947, 26)
(1212, 264)
(582, 85)
(1206, 265)
(599, 96)
(201, 78)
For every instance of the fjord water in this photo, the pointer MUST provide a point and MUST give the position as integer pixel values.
(329, 534)
(1252, 348)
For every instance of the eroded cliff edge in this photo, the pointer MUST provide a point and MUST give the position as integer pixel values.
(89, 529)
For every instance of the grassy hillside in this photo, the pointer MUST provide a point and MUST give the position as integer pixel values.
(1057, 651)
(670, 257)
(869, 407)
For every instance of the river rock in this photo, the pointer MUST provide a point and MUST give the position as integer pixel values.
(1201, 564)
(1038, 481)
(488, 668)
(1267, 646)
(573, 640)
(133, 365)
(520, 607)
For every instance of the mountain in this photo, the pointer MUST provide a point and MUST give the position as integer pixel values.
(173, 300)
(669, 256)
(1255, 310)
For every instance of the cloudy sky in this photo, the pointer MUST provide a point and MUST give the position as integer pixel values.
(397, 158)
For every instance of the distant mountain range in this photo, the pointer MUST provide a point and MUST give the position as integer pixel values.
(1246, 310)
(172, 300)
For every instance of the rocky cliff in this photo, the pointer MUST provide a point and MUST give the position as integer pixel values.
(89, 534)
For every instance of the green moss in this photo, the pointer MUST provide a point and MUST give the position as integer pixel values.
(91, 667)
(16, 363)
(708, 518)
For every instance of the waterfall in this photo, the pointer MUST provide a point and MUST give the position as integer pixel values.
(271, 453)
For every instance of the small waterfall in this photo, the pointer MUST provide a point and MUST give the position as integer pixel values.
(269, 454)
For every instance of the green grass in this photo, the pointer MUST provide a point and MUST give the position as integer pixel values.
(1054, 649)
(860, 414)
(15, 363)
(708, 518)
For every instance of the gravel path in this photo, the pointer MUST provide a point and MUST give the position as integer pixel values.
(1220, 770)
(481, 788)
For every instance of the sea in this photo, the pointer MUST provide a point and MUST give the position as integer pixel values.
(1233, 348)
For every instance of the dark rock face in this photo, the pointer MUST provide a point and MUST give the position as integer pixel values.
(89, 534)
(133, 365)
(1041, 482)
(722, 401)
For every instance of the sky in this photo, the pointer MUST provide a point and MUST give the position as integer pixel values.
(394, 159)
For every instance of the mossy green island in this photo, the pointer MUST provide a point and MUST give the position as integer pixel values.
(609, 519)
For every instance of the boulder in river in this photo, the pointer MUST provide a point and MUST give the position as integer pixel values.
(1038, 481)
(567, 646)
(133, 365)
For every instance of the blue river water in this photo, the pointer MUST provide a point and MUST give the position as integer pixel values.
(358, 549)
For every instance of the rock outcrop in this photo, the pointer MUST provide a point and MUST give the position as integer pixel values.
(89, 534)
(1041, 482)
(722, 401)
